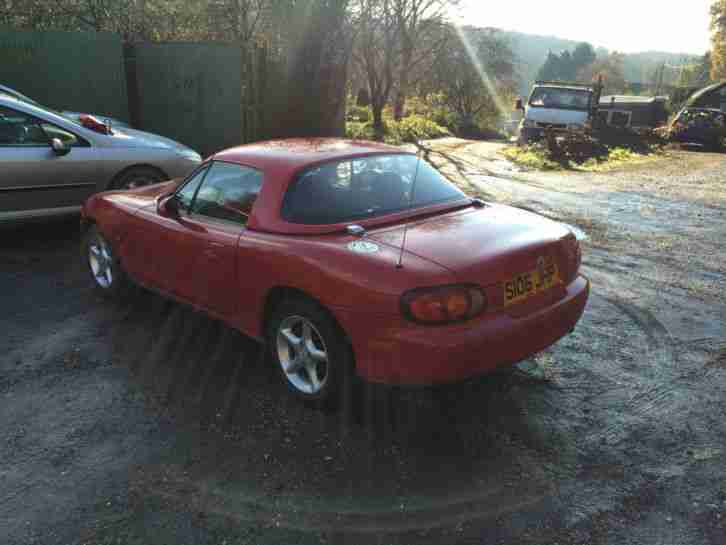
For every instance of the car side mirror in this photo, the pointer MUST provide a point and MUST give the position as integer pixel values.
(519, 105)
(59, 148)
(169, 206)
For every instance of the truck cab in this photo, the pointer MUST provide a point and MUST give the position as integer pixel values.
(559, 107)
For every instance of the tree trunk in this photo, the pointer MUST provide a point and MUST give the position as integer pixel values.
(378, 126)
(399, 108)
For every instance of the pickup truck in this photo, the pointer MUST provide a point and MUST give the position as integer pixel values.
(557, 106)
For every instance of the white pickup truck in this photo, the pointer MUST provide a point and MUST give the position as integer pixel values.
(557, 106)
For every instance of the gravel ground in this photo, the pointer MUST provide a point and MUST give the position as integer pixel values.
(145, 422)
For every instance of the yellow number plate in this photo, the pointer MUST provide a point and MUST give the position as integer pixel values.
(531, 283)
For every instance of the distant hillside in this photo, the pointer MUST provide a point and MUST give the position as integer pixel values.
(531, 51)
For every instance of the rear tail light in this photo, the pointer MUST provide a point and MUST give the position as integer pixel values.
(573, 257)
(444, 304)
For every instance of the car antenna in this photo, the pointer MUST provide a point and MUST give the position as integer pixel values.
(399, 265)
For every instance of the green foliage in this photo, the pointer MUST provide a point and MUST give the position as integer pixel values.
(359, 131)
(612, 148)
(531, 157)
(414, 128)
(718, 40)
(357, 113)
(476, 75)
(567, 65)
(432, 107)
(411, 128)
(427, 118)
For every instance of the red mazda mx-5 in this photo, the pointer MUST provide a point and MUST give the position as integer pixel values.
(345, 258)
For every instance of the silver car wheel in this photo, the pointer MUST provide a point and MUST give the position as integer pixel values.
(100, 259)
(139, 180)
(302, 354)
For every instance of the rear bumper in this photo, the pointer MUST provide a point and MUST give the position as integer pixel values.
(398, 352)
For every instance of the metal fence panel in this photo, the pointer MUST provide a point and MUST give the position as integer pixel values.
(77, 71)
(190, 92)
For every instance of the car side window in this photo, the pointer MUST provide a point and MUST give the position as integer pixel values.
(68, 138)
(228, 192)
(189, 189)
(20, 129)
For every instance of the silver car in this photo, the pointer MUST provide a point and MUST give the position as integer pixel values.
(49, 164)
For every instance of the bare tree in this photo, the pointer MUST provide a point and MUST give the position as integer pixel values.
(418, 25)
(474, 78)
(377, 52)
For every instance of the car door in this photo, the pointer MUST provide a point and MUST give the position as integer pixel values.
(153, 248)
(35, 180)
(215, 222)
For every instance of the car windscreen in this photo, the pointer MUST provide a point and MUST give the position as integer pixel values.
(43, 109)
(560, 98)
(364, 188)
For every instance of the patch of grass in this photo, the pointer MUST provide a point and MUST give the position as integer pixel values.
(615, 158)
(538, 157)
(532, 157)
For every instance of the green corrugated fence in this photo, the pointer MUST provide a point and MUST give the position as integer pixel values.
(75, 71)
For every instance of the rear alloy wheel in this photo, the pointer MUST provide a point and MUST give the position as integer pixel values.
(302, 354)
(138, 177)
(108, 277)
(310, 352)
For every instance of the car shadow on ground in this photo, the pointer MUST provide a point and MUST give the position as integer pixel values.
(252, 450)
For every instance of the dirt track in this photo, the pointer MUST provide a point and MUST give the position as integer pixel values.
(149, 423)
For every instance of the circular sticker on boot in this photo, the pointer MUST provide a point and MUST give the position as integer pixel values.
(363, 247)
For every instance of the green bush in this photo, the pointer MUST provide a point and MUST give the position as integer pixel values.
(361, 114)
(426, 117)
(432, 107)
(411, 128)
(359, 131)
(583, 152)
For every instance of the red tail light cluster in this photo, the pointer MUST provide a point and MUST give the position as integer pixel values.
(443, 304)
(573, 257)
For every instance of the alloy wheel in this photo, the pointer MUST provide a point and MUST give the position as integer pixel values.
(100, 259)
(302, 354)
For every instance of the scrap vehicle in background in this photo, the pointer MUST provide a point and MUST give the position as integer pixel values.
(49, 164)
(701, 121)
(632, 112)
(712, 97)
(703, 127)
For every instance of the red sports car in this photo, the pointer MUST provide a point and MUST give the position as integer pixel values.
(346, 258)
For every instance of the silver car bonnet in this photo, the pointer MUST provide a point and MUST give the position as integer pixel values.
(126, 137)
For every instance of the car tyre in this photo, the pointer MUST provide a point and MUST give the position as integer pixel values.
(311, 354)
(136, 177)
(108, 277)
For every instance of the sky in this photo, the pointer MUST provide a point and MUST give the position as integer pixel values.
(628, 26)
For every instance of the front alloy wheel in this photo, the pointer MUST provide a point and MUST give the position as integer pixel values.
(108, 277)
(100, 261)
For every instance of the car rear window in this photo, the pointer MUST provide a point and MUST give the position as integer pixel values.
(363, 188)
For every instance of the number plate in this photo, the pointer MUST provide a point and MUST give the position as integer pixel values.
(531, 283)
